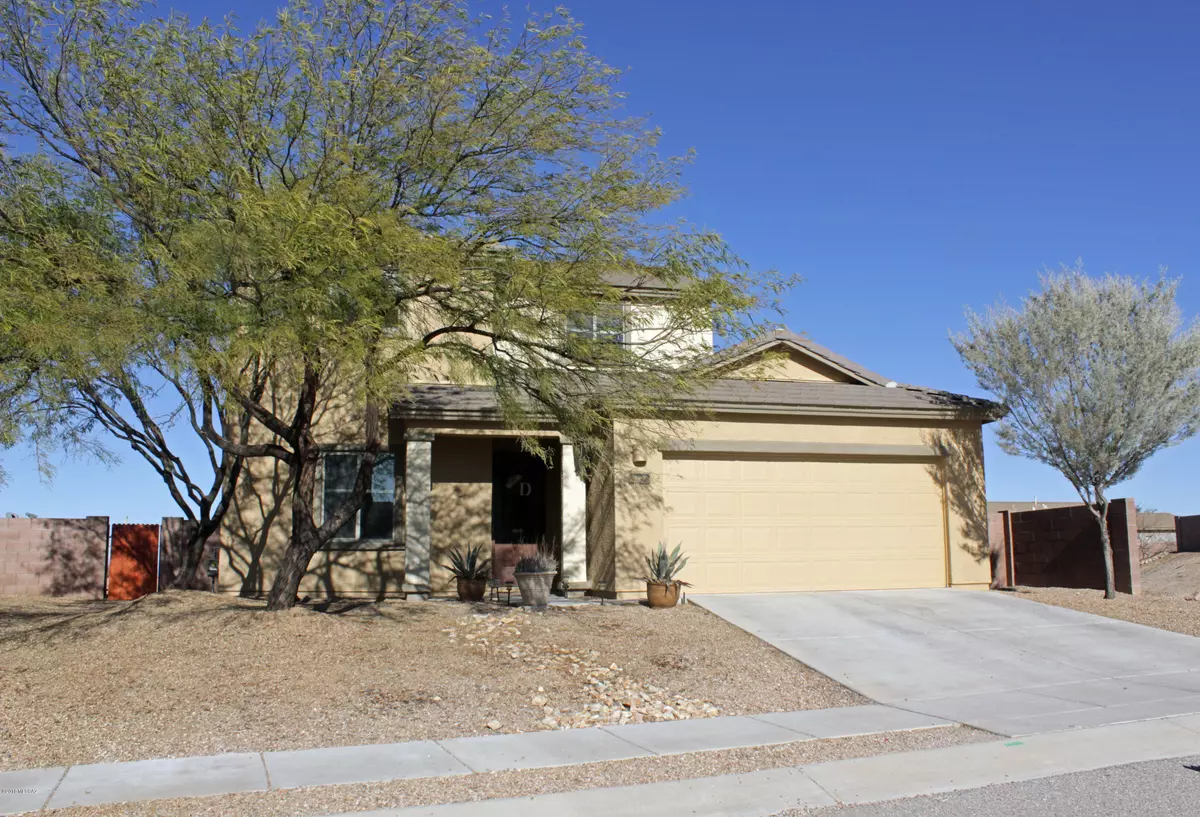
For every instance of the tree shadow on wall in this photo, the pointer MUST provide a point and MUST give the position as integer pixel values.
(74, 556)
(959, 470)
(251, 521)
(373, 573)
(257, 527)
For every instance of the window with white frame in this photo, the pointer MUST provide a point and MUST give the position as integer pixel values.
(373, 522)
(609, 326)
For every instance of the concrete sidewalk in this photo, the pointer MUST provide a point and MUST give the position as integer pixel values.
(105, 783)
(863, 780)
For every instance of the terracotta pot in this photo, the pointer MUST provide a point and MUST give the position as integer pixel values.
(535, 588)
(662, 595)
(471, 589)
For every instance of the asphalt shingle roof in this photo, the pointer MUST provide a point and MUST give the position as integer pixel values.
(733, 394)
(874, 392)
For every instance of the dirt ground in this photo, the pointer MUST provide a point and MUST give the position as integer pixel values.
(428, 791)
(1167, 612)
(1175, 574)
(178, 674)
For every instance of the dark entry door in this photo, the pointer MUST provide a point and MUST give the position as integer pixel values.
(518, 497)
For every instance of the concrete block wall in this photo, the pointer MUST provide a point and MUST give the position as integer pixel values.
(1060, 547)
(174, 534)
(1187, 533)
(53, 557)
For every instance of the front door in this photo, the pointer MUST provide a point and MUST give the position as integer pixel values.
(518, 497)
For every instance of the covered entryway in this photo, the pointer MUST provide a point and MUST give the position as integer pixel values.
(768, 523)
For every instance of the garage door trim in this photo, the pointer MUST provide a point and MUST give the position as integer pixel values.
(786, 448)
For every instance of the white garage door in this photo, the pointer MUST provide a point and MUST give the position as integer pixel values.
(763, 525)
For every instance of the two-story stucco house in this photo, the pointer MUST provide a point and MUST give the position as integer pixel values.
(796, 470)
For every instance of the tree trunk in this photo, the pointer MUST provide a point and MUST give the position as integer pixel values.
(1110, 584)
(305, 541)
(308, 536)
(211, 516)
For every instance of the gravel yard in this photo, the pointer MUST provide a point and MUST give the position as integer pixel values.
(429, 791)
(178, 674)
(1167, 612)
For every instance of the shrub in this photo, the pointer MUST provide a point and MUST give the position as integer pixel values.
(541, 562)
(469, 564)
(663, 567)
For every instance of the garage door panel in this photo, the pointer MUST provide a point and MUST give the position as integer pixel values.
(685, 471)
(716, 471)
(759, 504)
(760, 525)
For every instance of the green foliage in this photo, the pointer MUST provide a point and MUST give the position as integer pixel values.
(469, 564)
(86, 346)
(64, 288)
(1097, 374)
(663, 567)
(357, 195)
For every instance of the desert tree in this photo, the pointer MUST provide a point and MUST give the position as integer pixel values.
(358, 192)
(86, 350)
(1098, 374)
(12, 388)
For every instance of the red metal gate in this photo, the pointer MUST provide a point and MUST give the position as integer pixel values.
(133, 562)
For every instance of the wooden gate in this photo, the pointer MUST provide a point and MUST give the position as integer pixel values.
(133, 563)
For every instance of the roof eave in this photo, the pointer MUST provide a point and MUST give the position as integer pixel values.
(722, 407)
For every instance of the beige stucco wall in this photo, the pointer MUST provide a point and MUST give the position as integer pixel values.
(255, 531)
(650, 331)
(639, 510)
(254, 536)
(785, 366)
(461, 503)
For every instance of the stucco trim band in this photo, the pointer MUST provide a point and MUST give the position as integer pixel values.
(790, 448)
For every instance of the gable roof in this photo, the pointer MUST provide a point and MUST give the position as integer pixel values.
(788, 340)
(868, 393)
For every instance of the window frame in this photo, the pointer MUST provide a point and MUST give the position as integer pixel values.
(357, 542)
(593, 330)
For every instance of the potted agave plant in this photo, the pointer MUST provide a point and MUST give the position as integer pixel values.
(535, 576)
(662, 575)
(471, 570)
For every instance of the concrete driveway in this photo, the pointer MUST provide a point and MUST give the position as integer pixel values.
(991, 660)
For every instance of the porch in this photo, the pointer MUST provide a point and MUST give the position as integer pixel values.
(462, 487)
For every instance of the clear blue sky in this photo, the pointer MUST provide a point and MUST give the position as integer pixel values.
(907, 159)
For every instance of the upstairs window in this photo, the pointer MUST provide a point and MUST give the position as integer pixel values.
(373, 522)
(605, 327)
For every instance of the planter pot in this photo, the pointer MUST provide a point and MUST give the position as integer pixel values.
(471, 589)
(535, 588)
(662, 595)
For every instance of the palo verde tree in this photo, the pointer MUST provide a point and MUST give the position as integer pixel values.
(86, 351)
(358, 194)
(1097, 374)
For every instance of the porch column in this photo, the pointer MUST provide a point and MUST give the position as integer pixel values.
(574, 520)
(418, 489)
